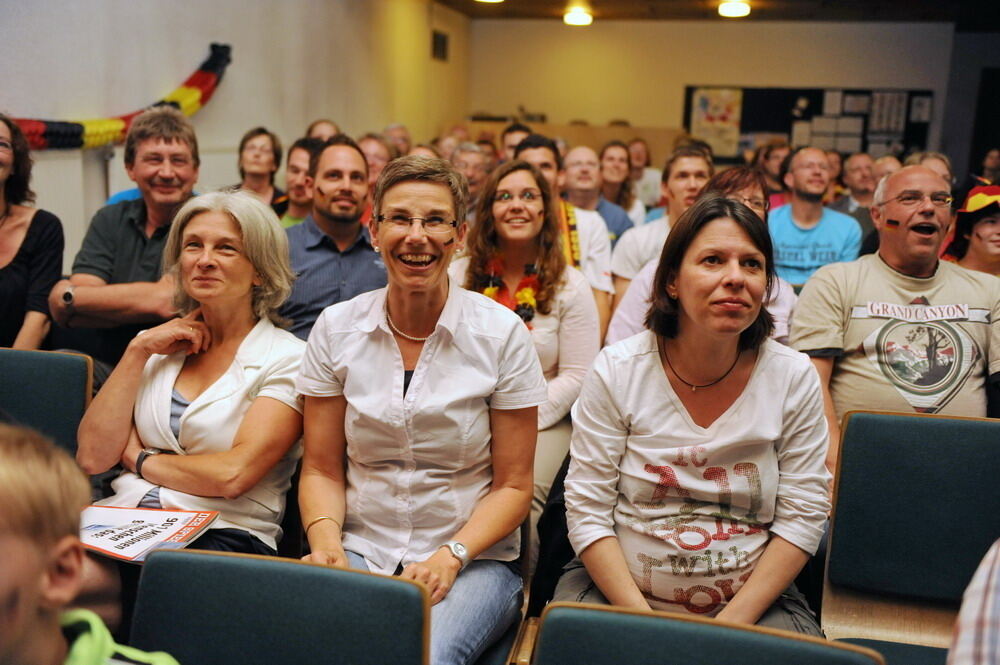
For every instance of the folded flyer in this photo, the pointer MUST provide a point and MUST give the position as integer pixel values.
(130, 534)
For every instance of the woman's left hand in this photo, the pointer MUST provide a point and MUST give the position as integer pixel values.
(438, 573)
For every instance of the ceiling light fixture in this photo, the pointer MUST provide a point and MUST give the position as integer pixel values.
(734, 8)
(490, 1)
(578, 15)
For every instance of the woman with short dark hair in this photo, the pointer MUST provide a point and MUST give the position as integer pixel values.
(696, 481)
(259, 160)
(31, 247)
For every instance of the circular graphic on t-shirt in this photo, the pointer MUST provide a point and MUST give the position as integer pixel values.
(921, 358)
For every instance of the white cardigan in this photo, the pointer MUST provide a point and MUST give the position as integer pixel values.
(265, 366)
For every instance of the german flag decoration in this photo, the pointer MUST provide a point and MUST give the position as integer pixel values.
(189, 97)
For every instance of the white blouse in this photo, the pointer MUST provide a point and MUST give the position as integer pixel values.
(693, 507)
(419, 463)
(265, 366)
(566, 340)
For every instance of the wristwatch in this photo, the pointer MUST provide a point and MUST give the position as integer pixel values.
(146, 452)
(458, 551)
(67, 298)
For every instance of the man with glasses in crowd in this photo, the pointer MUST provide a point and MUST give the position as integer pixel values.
(806, 235)
(331, 251)
(901, 330)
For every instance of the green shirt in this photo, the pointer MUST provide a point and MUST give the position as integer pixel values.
(90, 643)
(288, 221)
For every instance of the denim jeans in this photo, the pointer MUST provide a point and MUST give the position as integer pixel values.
(484, 601)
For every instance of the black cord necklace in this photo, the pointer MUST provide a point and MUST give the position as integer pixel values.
(693, 386)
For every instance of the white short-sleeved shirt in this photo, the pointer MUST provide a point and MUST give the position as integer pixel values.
(595, 249)
(265, 365)
(638, 246)
(419, 463)
(692, 506)
(566, 339)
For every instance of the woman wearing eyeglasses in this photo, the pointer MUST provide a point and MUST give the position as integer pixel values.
(31, 247)
(515, 257)
(420, 420)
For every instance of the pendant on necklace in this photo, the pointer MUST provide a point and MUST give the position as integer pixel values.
(693, 388)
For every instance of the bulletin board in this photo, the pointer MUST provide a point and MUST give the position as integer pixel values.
(878, 121)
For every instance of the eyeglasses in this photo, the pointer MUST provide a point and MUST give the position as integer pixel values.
(755, 203)
(911, 198)
(432, 225)
(527, 196)
(6, 145)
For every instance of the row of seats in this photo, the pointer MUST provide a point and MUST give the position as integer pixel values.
(915, 509)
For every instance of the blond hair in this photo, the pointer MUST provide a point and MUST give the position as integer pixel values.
(42, 490)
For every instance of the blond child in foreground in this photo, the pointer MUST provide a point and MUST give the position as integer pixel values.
(42, 492)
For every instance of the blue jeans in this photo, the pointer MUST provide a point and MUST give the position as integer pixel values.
(484, 601)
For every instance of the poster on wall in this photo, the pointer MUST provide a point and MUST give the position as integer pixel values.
(715, 119)
(895, 121)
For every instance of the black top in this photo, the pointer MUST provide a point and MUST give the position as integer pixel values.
(117, 250)
(25, 282)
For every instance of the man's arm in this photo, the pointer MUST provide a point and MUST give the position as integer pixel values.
(824, 367)
(603, 301)
(97, 304)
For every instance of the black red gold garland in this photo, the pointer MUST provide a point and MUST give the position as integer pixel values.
(523, 302)
(189, 97)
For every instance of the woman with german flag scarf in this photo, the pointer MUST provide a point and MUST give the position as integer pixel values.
(515, 256)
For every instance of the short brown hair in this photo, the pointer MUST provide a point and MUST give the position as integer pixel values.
(663, 317)
(417, 168)
(275, 148)
(42, 490)
(687, 151)
(160, 122)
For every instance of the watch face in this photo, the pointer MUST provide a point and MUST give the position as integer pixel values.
(459, 549)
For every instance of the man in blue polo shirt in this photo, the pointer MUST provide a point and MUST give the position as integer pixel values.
(806, 235)
(331, 252)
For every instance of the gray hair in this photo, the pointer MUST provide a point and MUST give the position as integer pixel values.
(466, 147)
(417, 168)
(264, 243)
(883, 185)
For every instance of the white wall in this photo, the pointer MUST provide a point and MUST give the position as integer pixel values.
(364, 63)
(972, 52)
(638, 69)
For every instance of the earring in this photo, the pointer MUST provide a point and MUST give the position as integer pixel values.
(377, 250)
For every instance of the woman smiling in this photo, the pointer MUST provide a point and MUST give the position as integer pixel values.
(420, 421)
(515, 257)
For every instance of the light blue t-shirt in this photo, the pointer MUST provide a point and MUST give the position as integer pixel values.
(798, 252)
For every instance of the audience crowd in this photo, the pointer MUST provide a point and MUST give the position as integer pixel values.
(441, 336)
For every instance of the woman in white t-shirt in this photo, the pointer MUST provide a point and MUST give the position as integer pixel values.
(696, 481)
(515, 257)
(420, 420)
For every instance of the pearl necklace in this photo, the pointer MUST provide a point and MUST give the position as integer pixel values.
(401, 333)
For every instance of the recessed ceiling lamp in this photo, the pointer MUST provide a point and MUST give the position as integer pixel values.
(578, 15)
(734, 8)
(490, 1)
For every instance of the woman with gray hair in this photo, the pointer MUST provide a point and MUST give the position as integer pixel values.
(201, 411)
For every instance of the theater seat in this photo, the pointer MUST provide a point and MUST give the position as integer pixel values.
(46, 390)
(575, 633)
(915, 510)
(212, 608)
